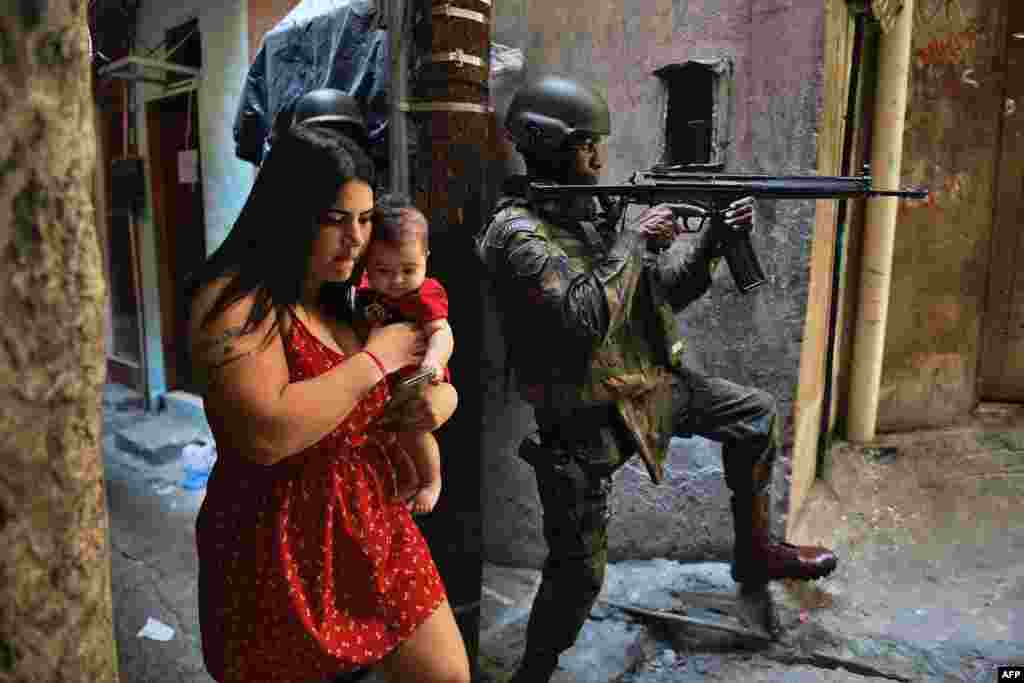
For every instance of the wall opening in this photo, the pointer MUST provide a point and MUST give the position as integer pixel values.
(172, 125)
(697, 113)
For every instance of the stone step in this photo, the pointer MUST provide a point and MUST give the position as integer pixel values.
(159, 438)
(611, 643)
(186, 406)
(119, 396)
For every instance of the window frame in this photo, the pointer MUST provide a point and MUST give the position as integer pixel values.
(721, 71)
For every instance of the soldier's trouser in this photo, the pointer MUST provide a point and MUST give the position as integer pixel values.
(576, 517)
(742, 419)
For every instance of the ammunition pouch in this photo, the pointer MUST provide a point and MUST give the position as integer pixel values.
(579, 477)
(595, 449)
(556, 464)
(539, 456)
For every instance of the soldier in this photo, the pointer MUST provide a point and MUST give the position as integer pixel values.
(606, 378)
(323, 107)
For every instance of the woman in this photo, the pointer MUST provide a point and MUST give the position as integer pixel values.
(308, 564)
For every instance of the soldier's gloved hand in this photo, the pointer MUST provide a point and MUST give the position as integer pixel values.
(739, 216)
(612, 208)
(573, 476)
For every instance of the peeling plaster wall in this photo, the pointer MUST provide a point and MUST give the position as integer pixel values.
(226, 180)
(942, 252)
(777, 50)
(224, 29)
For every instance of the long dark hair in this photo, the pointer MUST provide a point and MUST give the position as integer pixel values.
(268, 249)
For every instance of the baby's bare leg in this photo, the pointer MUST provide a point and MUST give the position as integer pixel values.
(425, 453)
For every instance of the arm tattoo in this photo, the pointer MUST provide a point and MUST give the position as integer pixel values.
(220, 351)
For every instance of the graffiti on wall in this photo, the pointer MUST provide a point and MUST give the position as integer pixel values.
(941, 195)
(952, 48)
(954, 86)
(946, 63)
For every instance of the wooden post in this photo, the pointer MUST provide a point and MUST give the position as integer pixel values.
(397, 128)
(451, 105)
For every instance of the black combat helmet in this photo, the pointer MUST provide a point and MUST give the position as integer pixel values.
(330, 107)
(545, 113)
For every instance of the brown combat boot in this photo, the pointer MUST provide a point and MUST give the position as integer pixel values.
(758, 558)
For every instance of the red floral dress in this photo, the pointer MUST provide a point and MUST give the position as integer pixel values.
(307, 569)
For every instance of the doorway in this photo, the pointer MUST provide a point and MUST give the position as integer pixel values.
(172, 125)
(116, 192)
(1001, 375)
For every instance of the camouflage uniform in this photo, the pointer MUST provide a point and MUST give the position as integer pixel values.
(588, 315)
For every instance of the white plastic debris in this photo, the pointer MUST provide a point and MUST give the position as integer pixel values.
(156, 630)
(198, 457)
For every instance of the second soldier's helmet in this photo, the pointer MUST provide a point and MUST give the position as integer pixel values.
(330, 107)
(545, 113)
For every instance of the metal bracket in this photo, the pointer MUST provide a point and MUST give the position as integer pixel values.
(452, 11)
(886, 12)
(132, 68)
(468, 107)
(458, 56)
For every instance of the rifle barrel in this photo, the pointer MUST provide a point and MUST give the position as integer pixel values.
(714, 191)
(731, 187)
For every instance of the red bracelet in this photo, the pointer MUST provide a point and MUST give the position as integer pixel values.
(380, 366)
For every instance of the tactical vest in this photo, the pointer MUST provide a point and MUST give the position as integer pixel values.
(629, 370)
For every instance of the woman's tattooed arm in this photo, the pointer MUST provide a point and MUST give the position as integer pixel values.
(212, 353)
(220, 350)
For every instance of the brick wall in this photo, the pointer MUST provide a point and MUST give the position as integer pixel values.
(263, 16)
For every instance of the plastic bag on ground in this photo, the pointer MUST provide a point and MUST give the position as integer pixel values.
(198, 458)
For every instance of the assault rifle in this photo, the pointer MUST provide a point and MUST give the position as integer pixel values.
(705, 197)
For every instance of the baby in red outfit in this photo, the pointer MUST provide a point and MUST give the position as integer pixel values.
(395, 288)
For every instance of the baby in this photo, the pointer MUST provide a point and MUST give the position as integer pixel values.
(396, 288)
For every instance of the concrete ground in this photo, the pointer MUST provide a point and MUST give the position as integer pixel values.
(930, 585)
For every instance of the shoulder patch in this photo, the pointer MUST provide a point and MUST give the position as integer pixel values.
(505, 229)
(517, 224)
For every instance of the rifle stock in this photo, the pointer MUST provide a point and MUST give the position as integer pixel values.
(712, 193)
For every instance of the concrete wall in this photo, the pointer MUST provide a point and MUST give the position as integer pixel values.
(226, 180)
(777, 48)
(942, 252)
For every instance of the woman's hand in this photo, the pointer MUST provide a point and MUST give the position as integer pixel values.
(663, 223)
(397, 345)
(424, 412)
(657, 224)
